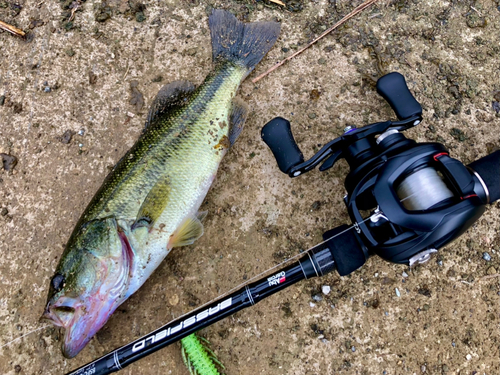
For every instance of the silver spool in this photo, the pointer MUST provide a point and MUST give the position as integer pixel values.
(422, 189)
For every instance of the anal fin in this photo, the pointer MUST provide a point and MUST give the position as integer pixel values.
(188, 232)
(154, 204)
(237, 117)
(171, 95)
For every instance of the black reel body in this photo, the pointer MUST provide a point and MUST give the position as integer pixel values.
(406, 199)
(419, 198)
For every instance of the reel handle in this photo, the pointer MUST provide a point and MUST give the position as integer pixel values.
(392, 87)
(278, 136)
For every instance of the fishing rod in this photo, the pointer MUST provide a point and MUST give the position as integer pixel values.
(406, 200)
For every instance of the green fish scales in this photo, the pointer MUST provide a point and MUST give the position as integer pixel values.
(187, 142)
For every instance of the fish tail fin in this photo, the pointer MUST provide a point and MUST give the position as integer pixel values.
(235, 41)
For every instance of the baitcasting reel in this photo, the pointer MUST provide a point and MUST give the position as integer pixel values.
(419, 198)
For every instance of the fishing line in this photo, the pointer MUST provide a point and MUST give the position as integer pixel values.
(300, 254)
(423, 188)
(268, 271)
(26, 334)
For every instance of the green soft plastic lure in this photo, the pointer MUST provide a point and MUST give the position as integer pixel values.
(198, 358)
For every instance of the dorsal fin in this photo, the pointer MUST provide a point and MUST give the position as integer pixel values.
(172, 94)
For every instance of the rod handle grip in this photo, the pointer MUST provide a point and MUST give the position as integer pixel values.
(488, 167)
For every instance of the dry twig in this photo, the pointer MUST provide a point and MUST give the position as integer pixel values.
(490, 276)
(12, 29)
(359, 9)
(78, 4)
(279, 2)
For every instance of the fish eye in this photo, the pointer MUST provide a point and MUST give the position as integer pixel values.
(57, 282)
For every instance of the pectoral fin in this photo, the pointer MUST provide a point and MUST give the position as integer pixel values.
(237, 117)
(171, 95)
(189, 231)
(154, 204)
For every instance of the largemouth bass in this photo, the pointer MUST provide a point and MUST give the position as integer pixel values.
(149, 203)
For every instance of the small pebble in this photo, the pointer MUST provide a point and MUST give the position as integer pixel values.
(423, 368)
(486, 257)
(46, 89)
(469, 357)
(385, 372)
(317, 298)
(140, 17)
(491, 271)
(376, 274)
(353, 349)
(325, 289)
(312, 304)
(386, 313)
(80, 145)
(440, 262)
(453, 344)
(174, 300)
(81, 132)
(404, 274)
(398, 293)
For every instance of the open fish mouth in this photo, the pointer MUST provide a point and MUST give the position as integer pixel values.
(82, 316)
(80, 320)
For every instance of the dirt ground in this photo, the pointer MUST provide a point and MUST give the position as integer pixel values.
(74, 97)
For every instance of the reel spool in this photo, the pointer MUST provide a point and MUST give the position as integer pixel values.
(423, 189)
(419, 197)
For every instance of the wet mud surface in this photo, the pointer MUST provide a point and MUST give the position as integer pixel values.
(74, 98)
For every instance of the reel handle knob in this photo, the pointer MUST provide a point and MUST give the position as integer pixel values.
(392, 87)
(278, 136)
